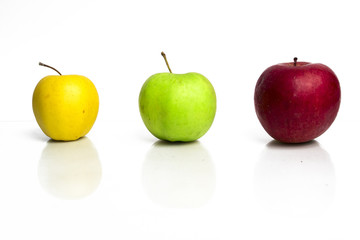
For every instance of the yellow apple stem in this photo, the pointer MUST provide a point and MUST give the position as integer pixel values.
(295, 60)
(42, 64)
(167, 64)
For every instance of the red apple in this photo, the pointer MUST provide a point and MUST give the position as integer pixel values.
(297, 101)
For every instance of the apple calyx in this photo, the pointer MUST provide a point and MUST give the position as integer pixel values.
(295, 60)
(44, 65)
(167, 64)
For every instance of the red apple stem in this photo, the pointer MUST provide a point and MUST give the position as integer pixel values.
(42, 64)
(167, 64)
(295, 60)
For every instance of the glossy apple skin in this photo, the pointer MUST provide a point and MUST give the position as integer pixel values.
(297, 104)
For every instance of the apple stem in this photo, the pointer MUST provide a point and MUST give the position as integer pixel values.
(167, 64)
(295, 60)
(42, 64)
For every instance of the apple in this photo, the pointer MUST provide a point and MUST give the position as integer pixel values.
(177, 107)
(65, 106)
(298, 101)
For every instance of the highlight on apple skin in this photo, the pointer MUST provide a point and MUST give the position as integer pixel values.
(177, 107)
(296, 102)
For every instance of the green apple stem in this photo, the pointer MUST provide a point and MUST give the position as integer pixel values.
(295, 60)
(42, 64)
(167, 64)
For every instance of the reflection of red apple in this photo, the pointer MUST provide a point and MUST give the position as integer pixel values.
(297, 102)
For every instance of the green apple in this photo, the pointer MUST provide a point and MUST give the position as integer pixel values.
(177, 107)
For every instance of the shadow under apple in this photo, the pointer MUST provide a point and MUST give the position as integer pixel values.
(70, 170)
(178, 175)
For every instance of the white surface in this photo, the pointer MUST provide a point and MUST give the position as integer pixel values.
(119, 182)
(235, 182)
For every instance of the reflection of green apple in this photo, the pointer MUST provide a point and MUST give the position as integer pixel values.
(179, 175)
(177, 107)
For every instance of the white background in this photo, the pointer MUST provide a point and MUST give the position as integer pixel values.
(233, 183)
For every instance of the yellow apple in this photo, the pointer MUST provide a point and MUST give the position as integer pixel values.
(65, 106)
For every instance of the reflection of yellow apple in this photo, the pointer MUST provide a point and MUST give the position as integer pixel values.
(70, 170)
(65, 106)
